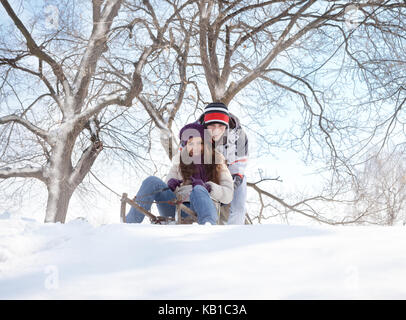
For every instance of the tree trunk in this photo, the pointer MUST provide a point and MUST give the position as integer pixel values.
(59, 195)
(62, 178)
(60, 189)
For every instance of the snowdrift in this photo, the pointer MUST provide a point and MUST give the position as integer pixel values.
(126, 261)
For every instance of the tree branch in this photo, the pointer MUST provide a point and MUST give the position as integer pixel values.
(34, 129)
(85, 163)
(34, 48)
(94, 49)
(314, 214)
(27, 172)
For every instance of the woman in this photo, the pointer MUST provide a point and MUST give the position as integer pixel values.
(197, 176)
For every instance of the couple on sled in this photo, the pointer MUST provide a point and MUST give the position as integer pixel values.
(208, 168)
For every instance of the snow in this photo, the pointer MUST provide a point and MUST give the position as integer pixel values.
(78, 260)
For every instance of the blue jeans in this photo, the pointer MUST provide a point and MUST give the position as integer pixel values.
(200, 202)
(237, 207)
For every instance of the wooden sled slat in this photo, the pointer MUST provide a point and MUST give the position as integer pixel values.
(122, 209)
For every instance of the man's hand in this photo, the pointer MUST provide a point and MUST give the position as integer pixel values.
(238, 178)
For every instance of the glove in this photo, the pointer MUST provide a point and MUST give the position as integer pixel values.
(174, 183)
(237, 180)
(196, 182)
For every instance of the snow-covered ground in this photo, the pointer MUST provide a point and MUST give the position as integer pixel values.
(117, 261)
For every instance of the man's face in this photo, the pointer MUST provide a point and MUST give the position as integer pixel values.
(216, 130)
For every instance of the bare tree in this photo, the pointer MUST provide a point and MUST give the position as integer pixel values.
(88, 81)
(289, 48)
(69, 91)
(168, 28)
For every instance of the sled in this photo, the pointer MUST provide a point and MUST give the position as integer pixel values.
(164, 220)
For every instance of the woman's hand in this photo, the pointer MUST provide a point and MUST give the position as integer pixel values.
(196, 182)
(174, 183)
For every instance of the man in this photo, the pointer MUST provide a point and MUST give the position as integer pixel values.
(229, 138)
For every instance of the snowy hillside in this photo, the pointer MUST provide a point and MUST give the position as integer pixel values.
(116, 261)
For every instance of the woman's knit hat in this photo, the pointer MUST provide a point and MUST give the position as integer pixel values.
(216, 112)
(191, 130)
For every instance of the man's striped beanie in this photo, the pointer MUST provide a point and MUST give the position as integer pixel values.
(216, 112)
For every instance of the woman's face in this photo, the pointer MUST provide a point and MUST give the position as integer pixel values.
(216, 130)
(194, 146)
